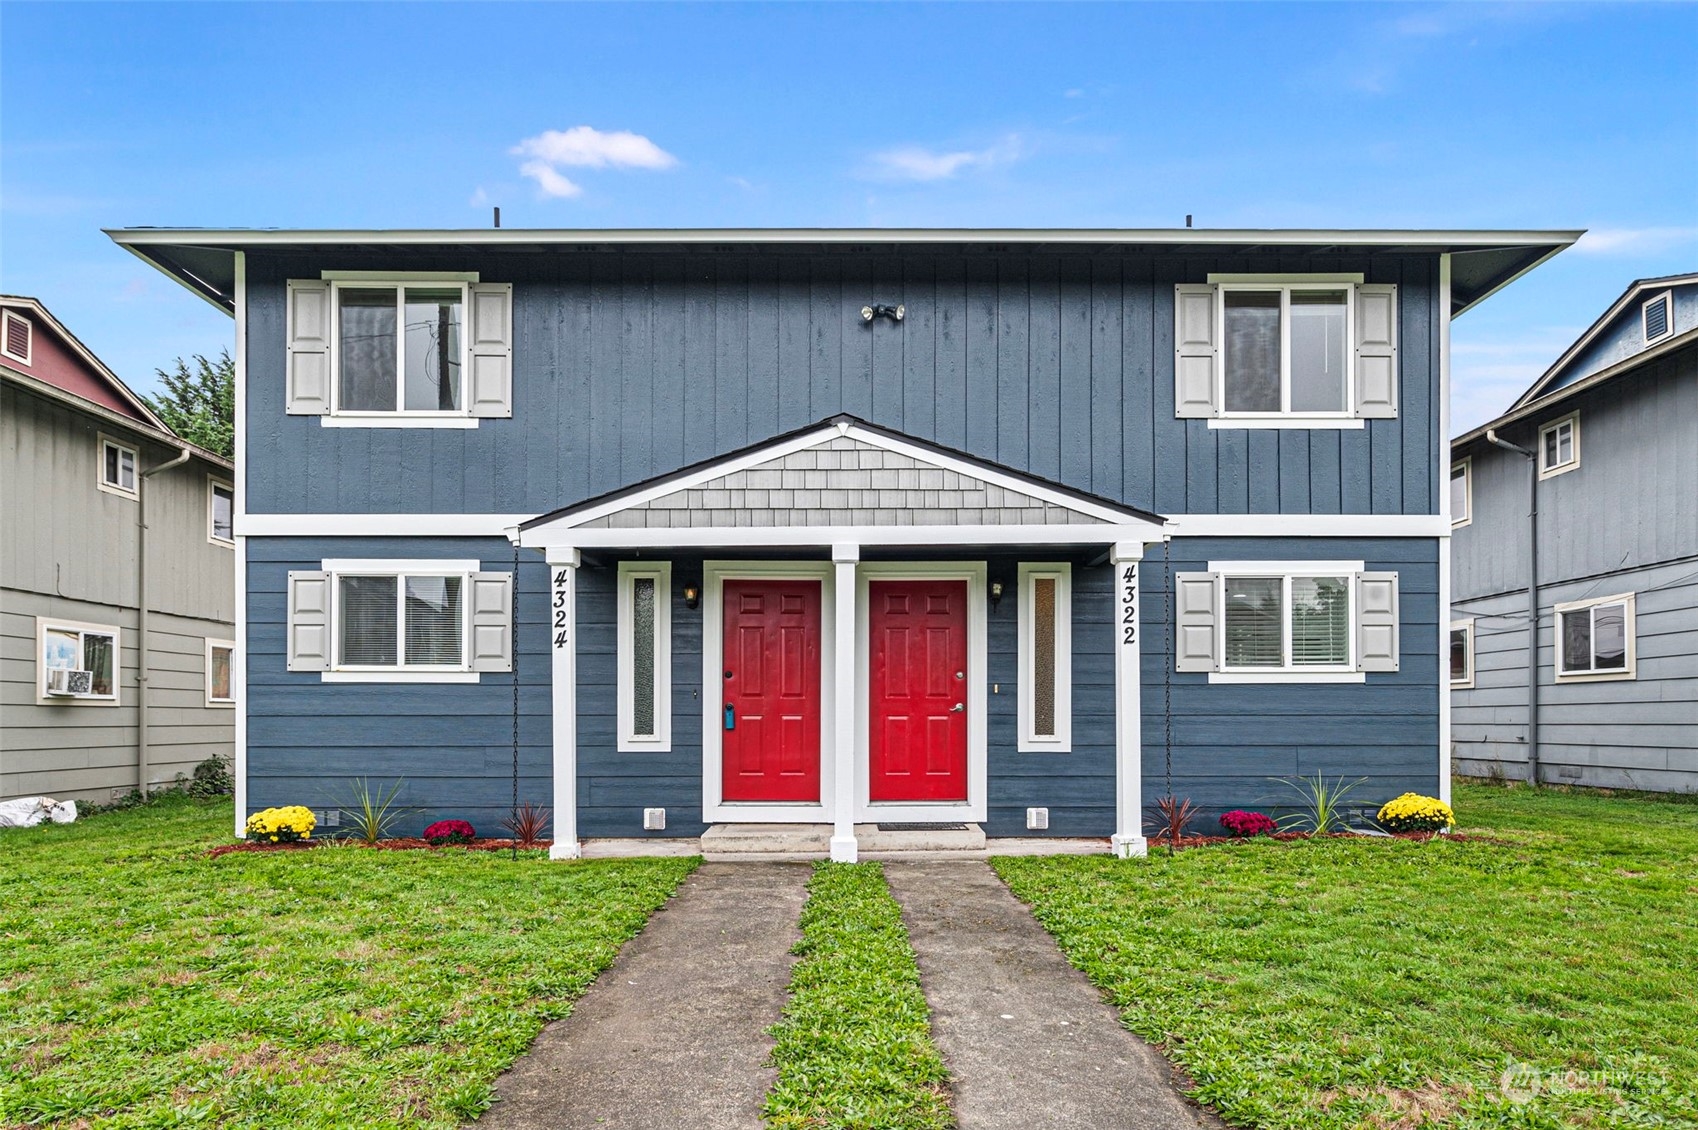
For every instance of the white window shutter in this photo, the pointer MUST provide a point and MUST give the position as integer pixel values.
(308, 317)
(492, 622)
(1376, 351)
(1196, 351)
(490, 390)
(1196, 621)
(309, 621)
(1376, 621)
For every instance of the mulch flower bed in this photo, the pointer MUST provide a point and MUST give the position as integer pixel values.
(400, 844)
(1287, 837)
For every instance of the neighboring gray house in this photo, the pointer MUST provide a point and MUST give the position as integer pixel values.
(99, 502)
(1610, 434)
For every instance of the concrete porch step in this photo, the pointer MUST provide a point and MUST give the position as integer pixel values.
(899, 842)
(766, 843)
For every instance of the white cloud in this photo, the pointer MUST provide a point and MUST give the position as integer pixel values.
(1633, 241)
(478, 198)
(1488, 374)
(585, 147)
(918, 163)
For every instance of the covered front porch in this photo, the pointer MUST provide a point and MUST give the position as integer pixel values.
(844, 642)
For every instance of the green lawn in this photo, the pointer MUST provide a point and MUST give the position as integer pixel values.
(1344, 983)
(144, 985)
(854, 1045)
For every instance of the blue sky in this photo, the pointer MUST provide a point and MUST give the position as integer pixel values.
(410, 115)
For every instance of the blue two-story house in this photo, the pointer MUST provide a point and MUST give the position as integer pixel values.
(683, 533)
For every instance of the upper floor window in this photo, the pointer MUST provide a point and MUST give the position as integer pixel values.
(117, 467)
(1657, 317)
(426, 351)
(220, 512)
(1595, 638)
(1462, 492)
(17, 338)
(1317, 351)
(1559, 446)
(77, 662)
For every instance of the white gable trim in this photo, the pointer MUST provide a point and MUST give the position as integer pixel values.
(551, 532)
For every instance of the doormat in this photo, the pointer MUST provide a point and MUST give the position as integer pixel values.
(922, 827)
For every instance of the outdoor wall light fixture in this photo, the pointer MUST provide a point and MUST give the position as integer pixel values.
(995, 594)
(692, 596)
(894, 313)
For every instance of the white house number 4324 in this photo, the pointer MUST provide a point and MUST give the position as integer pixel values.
(1129, 606)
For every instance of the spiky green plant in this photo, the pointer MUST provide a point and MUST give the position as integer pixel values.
(1320, 808)
(373, 813)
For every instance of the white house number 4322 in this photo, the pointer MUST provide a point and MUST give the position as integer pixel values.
(1129, 606)
(562, 589)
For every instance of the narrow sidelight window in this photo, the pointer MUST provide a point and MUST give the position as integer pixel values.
(1045, 684)
(645, 664)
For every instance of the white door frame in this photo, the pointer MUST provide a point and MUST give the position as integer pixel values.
(715, 809)
(973, 809)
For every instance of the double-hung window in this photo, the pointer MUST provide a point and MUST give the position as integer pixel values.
(645, 656)
(1045, 606)
(77, 662)
(1595, 639)
(117, 468)
(1462, 492)
(400, 621)
(1461, 653)
(1286, 621)
(1559, 446)
(1298, 351)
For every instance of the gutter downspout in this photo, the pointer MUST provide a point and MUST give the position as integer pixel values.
(1532, 599)
(142, 666)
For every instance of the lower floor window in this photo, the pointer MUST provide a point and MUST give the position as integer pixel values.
(1462, 653)
(220, 672)
(1045, 607)
(78, 661)
(644, 652)
(405, 620)
(1596, 637)
(1287, 622)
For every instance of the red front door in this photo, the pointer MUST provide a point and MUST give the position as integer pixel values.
(771, 691)
(917, 736)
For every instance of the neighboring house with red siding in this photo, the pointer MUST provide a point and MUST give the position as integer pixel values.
(100, 502)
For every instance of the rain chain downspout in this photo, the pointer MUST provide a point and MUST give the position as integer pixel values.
(1532, 599)
(142, 666)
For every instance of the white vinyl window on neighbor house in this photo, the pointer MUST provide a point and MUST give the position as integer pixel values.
(220, 672)
(1595, 639)
(400, 621)
(1461, 653)
(1313, 351)
(1559, 446)
(117, 468)
(220, 512)
(1286, 621)
(1462, 492)
(430, 350)
(645, 656)
(77, 663)
(1045, 608)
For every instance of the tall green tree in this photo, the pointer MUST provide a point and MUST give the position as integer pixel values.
(199, 403)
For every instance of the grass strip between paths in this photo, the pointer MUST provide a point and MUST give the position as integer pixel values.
(143, 984)
(854, 1044)
(1542, 978)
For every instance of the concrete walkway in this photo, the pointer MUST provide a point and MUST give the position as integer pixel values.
(1029, 1041)
(674, 1033)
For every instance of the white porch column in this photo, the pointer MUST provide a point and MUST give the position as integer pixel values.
(563, 646)
(843, 846)
(1128, 837)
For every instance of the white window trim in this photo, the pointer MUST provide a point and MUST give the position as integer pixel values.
(1467, 465)
(1285, 418)
(105, 441)
(661, 740)
(1666, 297)
(1062, 740)
(1287, 570)
(461, 418)
(42, 625)
(1467, 680)
(1573, 418)
(27, 357)
(401, 672)
(1629, 628)
(221, 703)
(212, 482)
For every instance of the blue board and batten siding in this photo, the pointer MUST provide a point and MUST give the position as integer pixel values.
(631, 364)
(453, 744)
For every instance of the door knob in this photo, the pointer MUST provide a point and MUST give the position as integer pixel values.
(958, 708)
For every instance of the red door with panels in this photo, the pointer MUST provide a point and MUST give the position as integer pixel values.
(770, 705)
(917, 667)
